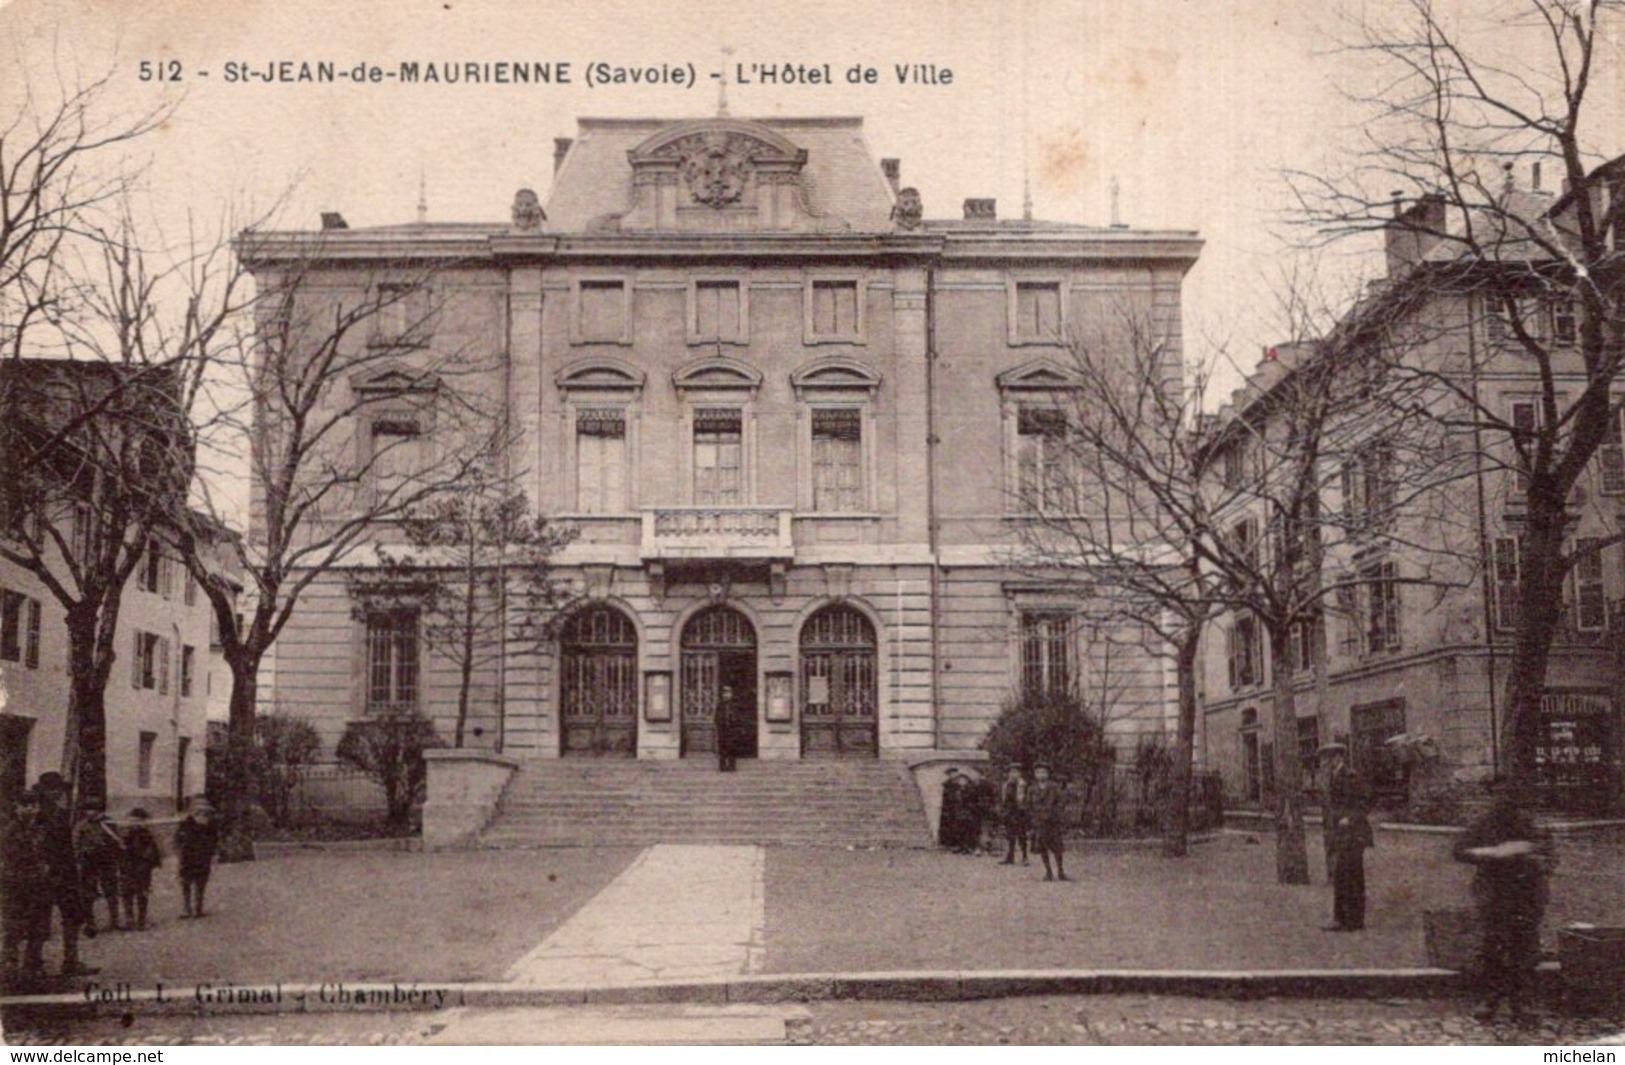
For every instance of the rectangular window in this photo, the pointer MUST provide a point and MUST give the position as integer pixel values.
(145, 661)
(1037, 311)
(392, 662)
(396, 457)
(1041, 467)
(1565, 327)
(188, 668)
(1308, 739)
(718, 312)
(1231, 465)
(601, 461)
(1368, 488)
(719, 452)
(191, 588)
(1382, 607)
(1506, 564)
(837, 459)
(835, 309)
(1348, 608)
(19, 628)
(1246, 653)
(163, 665)
(1590, 600)
(1612, 452)
(143, 763)
(1304, 635)
(400, 315)
(152, 564)
(601, 312)
(1525, 426)
(1047, 664)
(83, 536)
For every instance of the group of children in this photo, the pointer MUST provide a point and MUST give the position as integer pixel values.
(53, 864)
(1030, 813)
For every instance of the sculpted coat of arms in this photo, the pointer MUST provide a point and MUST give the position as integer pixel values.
(716, 166)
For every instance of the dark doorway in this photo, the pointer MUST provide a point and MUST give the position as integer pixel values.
(719, 650)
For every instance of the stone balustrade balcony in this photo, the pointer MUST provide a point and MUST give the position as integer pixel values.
(717, 532)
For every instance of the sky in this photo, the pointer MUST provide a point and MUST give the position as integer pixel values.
(1194, 107)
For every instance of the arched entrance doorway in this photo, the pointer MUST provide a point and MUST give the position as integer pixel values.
(719, 650)
(598, 684)
(839, 694)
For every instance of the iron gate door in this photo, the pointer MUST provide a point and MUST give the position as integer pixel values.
(598, 688)
(839, 689)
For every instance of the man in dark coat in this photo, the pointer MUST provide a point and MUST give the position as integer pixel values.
(1014, 814)
(25, 884)
(1513, 859)
(727, 730)
(196, 839)
(1348, 834)
(62, 863)
(1049, 822)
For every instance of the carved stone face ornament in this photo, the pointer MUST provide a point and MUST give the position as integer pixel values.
(527, 210)
(715, 169)
(908, 211)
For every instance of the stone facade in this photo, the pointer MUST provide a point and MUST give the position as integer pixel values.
(788, 422)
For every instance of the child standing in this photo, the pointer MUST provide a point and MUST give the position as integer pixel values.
(196, 839)
(139, 858)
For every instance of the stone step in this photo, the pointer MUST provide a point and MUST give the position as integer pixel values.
(632, 802)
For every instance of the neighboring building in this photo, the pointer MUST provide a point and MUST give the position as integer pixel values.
(796, 424)
(156, 695)
(1422, 545)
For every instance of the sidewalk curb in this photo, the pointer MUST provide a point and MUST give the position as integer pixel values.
(938, 986)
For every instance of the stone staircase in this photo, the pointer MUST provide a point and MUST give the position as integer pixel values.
(568, 802)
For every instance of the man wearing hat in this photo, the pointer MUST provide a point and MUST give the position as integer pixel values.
(951, 822)
(196, 839)
(62, 866)
(1348, 834)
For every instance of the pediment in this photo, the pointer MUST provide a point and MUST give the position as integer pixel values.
(835, 372)
(600, 374)
(394, 379)
(753, 140)
(719, 371)
(1038, 375)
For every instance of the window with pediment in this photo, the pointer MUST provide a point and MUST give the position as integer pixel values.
(602, 408)
(395, 409)
(836, 443)
(1039, 446)
(718, 425)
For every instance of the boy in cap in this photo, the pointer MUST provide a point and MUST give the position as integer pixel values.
(98, 845)
(140, 857)
(1049, 822)
(196, 839)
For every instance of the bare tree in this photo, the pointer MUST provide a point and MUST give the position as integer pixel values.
(101, 447)
(1521, 284)
(478, 570)
(355, 413)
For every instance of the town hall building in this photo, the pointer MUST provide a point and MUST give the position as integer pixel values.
(796, 420)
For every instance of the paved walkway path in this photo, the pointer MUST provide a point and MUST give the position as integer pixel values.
(677, 913)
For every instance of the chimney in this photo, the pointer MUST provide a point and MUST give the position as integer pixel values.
(333, 220)
(893, 169)
(981, 209)
(561, 148)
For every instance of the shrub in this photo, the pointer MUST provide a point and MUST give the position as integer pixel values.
(284, 747)
(389, 749)
(1060, 731)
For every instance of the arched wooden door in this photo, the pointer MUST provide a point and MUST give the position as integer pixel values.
(719, 651)
(598, 686)
(839, 685)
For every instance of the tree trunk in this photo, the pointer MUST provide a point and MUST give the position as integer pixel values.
(237, 840)
(1176, 816)
(87, 711)
(1540, 604)
(1291, 848)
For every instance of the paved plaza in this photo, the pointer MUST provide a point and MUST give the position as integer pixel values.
(681, 921)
